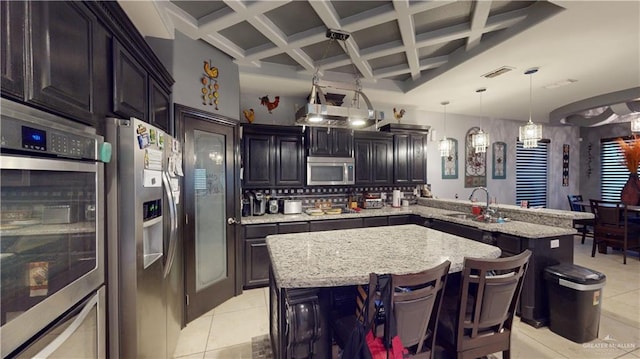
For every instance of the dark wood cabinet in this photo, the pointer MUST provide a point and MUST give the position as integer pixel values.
(409, 158)
(332, 224)
(159, 106)
(12, 46)
(65, 44)
(373, 152)
(256, 256)
(130, 85)
(273, 157)
(334, 142)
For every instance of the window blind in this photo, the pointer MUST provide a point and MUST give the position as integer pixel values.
(531, 174)
(613, 173)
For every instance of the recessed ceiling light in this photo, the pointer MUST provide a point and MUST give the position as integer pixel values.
(497, 72)
(560, 83)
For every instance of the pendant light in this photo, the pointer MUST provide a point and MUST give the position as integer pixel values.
(635, 124)
(480, 140)
(530, 133)
(445, 146)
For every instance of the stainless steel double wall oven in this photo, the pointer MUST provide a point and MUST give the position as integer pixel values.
(51, 236)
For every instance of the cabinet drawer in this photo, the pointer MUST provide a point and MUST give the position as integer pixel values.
(396, 220)
(293, 227)
(327, 225)
(259, 230)
(375, 221)
(509, 243)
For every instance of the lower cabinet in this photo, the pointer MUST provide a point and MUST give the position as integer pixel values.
(256, 256)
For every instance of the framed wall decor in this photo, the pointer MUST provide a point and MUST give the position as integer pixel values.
(499, 157)
(475, 164)
(450, 163)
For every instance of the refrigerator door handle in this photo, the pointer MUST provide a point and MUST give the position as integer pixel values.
(174, 224)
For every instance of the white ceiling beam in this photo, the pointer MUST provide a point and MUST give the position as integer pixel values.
(406, 25)
(479, 18)
(223, 19)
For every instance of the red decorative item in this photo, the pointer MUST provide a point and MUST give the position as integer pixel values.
(378, 351)
(264, 101)
(630, 193)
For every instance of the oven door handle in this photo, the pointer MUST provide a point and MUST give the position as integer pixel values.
(50, 349)
(173, 224)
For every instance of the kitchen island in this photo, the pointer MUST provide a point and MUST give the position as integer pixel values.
(305, 267)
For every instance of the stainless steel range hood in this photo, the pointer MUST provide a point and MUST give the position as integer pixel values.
(325, 114)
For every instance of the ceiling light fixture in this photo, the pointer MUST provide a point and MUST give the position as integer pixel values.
(530, 133)
(445, 146)
(635, 124)
(480, 140)
(320, 112)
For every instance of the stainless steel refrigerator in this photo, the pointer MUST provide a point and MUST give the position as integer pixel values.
(144, 258)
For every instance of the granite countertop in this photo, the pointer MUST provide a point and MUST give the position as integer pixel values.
(346, 257)
(513, 227)
(48, 229)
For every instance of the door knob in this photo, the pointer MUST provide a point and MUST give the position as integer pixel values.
(232, 220)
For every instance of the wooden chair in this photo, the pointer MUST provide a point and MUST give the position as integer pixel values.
(584, 226)
(612, 227)
(479, 322)
(416, 303)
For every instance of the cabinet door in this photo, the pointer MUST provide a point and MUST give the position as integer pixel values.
(289, 156)
(256, 263)
(382, 162)
(62, 42)
(130, 85)
(363, 160)
(341, 143)
(12, 48)
(160, 111)
(319, 141)
(418, 159)
(258, 164)
(401, 159)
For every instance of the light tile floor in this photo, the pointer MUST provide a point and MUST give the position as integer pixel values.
(226, 331)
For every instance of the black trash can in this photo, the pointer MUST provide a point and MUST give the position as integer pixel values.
(575, 299)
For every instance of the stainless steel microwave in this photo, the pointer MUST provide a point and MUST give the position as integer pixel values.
(330, 171)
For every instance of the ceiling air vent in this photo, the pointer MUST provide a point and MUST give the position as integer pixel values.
(497, 72)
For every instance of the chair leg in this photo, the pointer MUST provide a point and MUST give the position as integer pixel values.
(584, 232)
(506, 354)
(593, 248)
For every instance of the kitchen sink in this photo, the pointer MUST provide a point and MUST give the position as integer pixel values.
(473, 217)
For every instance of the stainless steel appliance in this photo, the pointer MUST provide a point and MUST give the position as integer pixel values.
(291, 206)
(273, 206)
(258, 204)
(143, 186)
(51, 261)
(330, 171)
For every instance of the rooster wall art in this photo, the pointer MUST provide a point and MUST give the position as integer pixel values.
(210, 85)
(398, 114)
(264, 101)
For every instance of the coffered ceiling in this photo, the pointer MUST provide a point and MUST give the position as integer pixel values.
(416, 54)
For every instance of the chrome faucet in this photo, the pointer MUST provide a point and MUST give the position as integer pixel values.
(487, 211)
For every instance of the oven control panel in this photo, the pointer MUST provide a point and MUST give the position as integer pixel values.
(54, 140)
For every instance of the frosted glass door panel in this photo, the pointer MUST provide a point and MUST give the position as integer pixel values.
(210, 214)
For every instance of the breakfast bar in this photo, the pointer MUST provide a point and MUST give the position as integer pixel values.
(305, 267)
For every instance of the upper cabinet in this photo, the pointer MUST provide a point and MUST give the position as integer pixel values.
(373, 152)
(409, 153)
(272, 156)
(81, 60)
(12, 48)
(334, 142)
(130, 85)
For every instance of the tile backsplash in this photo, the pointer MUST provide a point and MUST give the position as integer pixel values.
(337, 195)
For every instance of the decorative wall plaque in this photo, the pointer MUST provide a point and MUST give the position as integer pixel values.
(450, 163)
(499, 160)
(565, 165)
(475, 167)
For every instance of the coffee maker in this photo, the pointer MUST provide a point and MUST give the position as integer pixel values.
(258, 204)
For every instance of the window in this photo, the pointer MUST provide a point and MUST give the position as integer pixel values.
(613, 173)
(531, 174)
